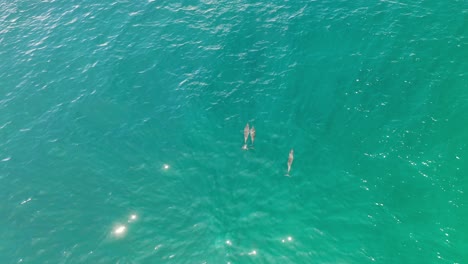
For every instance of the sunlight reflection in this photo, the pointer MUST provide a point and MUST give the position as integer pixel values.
(27, 200)
(132, 218)
(120, 230)
(254, 252)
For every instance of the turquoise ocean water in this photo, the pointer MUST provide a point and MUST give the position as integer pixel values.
(96, 97)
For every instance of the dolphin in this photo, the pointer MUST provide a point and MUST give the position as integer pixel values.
(290, 160)
(246, 135)
(252, 134)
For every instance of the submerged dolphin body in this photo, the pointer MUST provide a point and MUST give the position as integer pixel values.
(252, 134)
(290, 160)
(246, 135)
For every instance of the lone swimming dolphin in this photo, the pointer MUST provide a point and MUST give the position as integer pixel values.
(246, 135)
(252, 134)
(290, 160)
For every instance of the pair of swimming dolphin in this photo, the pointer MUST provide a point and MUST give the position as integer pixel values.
(251, 131)
(248, 131)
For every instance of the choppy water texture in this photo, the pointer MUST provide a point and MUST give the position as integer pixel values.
(97, 96)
